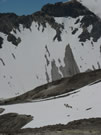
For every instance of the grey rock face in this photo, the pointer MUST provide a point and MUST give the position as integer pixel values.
(70, 67)
(55, 71)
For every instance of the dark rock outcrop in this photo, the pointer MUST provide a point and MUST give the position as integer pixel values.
(2, 110)
(13, 39)
(55, 72)
(79, 127)
(13, 121)
(72, 9)
(74, 31)
(10, 21)
(1, 42)
(84, 35)
(95, 33)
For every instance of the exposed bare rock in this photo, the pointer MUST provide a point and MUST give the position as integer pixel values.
(13, 121)
(13, 39)
(2, 110)
(70, 67)
(55, 72)
(72, 8)
(9, 22)
(95, 33)
(1, 42)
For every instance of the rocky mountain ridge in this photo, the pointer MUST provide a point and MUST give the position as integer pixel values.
(56, 89)
(10, 21)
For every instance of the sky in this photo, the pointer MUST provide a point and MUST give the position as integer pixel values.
(23, 7)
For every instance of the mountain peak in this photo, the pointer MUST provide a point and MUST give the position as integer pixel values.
(72, 8)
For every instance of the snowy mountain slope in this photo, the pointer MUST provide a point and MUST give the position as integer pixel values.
(93, 5)
(29, 69)
(83, 104)
(41, 48)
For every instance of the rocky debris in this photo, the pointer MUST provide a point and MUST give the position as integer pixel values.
(2, 110)
(79, 127)
(13, 121)
(56, 88)
(7, 22)
(70, 67)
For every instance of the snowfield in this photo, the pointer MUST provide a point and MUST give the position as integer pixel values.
(83, 104)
